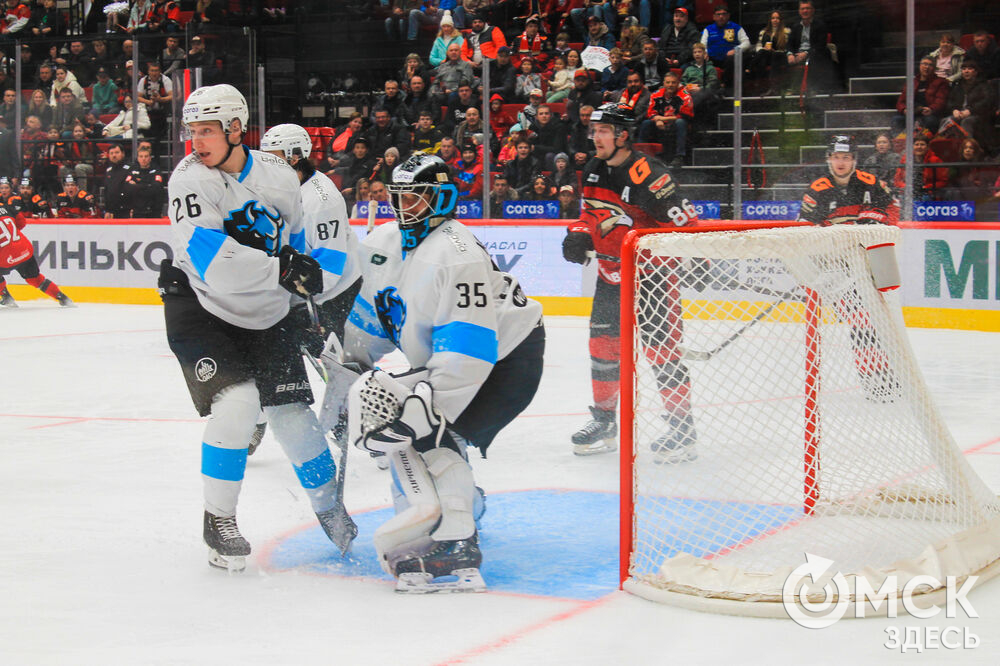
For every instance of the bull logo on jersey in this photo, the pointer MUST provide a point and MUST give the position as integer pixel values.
(607, 216)
(255, 226)
(391, 311)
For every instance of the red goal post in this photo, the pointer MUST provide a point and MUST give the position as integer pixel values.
(806, 424)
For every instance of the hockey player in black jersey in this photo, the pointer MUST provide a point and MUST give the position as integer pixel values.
(847, 195)
(623, 190)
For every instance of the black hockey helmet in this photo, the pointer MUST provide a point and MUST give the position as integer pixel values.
(841, 143)
(619, 116)
(422, 174)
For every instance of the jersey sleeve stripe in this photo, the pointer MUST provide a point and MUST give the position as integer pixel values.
(363, 316)
(203, 246)
(332, 261)
(467, 339)
(223, 464)
(298, 241)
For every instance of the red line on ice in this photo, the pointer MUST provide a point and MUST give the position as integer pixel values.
(517, 635)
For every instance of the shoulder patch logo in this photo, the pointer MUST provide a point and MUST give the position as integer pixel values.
(255, 226)
(378, 259)
(391, 311)
(593, 178)
(639, 171)
(659, 183)
(205, 369)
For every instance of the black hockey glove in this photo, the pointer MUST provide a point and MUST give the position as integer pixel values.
(576, 245)
(299, 273)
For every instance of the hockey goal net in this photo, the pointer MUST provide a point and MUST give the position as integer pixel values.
(772, 407)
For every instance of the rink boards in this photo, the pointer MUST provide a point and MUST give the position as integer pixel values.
(951, 271)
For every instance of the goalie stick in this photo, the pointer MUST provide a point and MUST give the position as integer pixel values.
(342, 540)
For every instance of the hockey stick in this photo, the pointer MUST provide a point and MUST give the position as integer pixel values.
(341, 539)
(698, 355)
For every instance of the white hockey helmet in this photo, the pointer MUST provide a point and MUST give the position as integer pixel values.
(288, 138)
(220, 102)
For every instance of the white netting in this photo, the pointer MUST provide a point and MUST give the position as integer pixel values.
(729, 407)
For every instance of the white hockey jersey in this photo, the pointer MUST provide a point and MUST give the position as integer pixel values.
(329, 237)
(228, 230)
(445, 305)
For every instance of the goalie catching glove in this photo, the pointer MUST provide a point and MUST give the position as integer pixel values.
(386, 416)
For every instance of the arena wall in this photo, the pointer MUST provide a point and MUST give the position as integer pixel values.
(951, 270)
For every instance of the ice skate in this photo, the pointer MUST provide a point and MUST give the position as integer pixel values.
(65, 301)
(6, 300)
(227, 549)
(600, 435)
(449, 566)
(256, 438)
(339, 527)
(678, 444)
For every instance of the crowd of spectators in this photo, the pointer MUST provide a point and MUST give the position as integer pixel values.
(550, 59)
(76, 110)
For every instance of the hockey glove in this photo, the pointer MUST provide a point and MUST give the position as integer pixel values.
(299, 273)
(415, 421)
(576, 245)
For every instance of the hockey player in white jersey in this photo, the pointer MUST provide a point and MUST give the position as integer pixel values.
(329, 240)
(238, 242)
(474, 342)
(329, 237)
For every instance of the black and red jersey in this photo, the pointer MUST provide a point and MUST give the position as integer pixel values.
(81, 205)
(640, 193)
(864, 199)
(34, 206)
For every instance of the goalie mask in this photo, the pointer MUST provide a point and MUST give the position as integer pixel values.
(422, 196)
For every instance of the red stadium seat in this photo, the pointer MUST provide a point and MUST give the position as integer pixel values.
(106, 118)
(651, 149)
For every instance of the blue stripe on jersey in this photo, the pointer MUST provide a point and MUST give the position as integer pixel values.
(467, 339)
(203, 246)
(332, 261)
(246, 167)
(316, 472)
(223, 464)
(298, 241)
(363, 316)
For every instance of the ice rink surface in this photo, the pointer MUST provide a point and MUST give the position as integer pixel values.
(102, 561)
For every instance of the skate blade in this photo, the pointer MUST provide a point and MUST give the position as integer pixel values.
(231, 563)
(460, 580)
(603, 446)
(343, 534)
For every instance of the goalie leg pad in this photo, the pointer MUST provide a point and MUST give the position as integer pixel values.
(415, 522)
(224, 446)
(456, 490)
